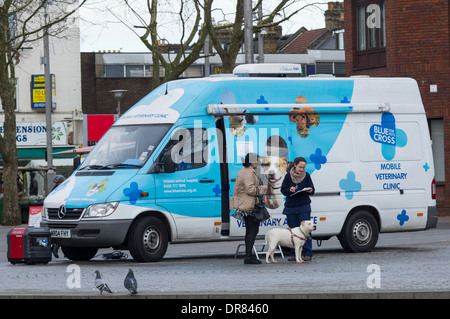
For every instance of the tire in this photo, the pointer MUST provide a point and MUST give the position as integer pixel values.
(360, 232)
(148, 239)
(79, 253)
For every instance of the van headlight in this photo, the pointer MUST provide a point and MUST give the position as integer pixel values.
(100, 210)
(44, 213)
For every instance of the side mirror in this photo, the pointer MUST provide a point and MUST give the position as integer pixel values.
(76, 162)
(169, 165)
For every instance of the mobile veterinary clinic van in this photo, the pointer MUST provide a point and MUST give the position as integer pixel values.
(165, 171)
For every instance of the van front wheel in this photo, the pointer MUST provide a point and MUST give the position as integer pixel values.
(148, 239)
(360, 232)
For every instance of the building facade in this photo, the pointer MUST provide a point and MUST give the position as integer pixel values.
(67, 118)
(30, 98)
(407, 38)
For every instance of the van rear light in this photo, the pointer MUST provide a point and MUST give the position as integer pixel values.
(433, 189)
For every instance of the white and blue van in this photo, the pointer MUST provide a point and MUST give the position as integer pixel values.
(165, 171)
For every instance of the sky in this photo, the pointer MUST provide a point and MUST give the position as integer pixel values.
(101, 30)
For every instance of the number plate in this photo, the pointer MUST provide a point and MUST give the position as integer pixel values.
(60, 233)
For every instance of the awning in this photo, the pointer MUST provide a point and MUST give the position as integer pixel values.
(25, 153)
(76, 151)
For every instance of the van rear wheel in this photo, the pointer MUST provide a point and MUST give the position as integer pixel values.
(360, 232)
(148, 239)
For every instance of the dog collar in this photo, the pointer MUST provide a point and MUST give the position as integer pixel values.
(307, 236)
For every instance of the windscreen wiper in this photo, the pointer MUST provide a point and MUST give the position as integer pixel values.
(110, 166)
(94, 167)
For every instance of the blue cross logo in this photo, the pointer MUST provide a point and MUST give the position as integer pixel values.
(217, 190)
(350, 185)
(318, 159)
(403, 218)
(183, 166)
(133, 192)
(345, 100)
(261, 100)
(426, 167)
(388, 136)
(290, 139)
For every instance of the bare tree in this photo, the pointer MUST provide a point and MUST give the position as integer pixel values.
(280, 12)
(21, 22)
(193, 33)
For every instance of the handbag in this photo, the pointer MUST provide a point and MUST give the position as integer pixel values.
(259, 211)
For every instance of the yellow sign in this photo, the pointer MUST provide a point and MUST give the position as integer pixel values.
(38, 91)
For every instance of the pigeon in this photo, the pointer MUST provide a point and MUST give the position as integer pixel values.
(101, 284)
(130, 282)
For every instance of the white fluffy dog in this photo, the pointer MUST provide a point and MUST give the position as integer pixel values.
(294, 238)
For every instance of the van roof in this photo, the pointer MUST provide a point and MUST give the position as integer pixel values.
(191, 97)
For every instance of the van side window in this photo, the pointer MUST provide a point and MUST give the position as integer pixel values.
(187, 148)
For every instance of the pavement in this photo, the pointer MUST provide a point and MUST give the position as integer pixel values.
(408, 265)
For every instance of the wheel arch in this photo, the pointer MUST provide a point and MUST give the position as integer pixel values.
(370, 209)
(160, 215)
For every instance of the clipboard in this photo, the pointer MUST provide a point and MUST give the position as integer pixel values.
(301, 190)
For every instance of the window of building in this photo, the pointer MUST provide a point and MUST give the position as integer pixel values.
(370, 34)
(193, 71)
(137, 71)
(114, 71)
(334, 68)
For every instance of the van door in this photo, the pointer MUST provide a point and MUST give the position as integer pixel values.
(265, 135)
(191, 189)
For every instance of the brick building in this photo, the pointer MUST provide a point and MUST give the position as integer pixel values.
(95, 87)
(408, 38)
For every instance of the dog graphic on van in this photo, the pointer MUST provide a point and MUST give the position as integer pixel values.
(303, 117)
(240, 116)
(274, 170)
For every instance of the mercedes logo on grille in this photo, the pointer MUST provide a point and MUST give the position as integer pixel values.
(62, 212)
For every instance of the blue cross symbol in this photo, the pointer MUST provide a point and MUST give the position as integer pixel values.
(133, 192)
(217, 190)
(318, 159)
(388, 136)
(403, 217)
(426, 167)
(290, 139)
(261, 100)
(345, 100)
(183, 166)
(350, 185)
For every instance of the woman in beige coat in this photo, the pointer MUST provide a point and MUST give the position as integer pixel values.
(246, 188)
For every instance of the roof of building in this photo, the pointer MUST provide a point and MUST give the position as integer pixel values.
(302, 40)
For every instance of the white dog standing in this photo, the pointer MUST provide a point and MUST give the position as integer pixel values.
(294, 238)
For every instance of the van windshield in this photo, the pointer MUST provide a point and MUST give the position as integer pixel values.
(125, 147)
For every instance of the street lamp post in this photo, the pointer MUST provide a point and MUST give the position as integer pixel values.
(248, 31)
(261, 35)
(48, 102)
(118, 95)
